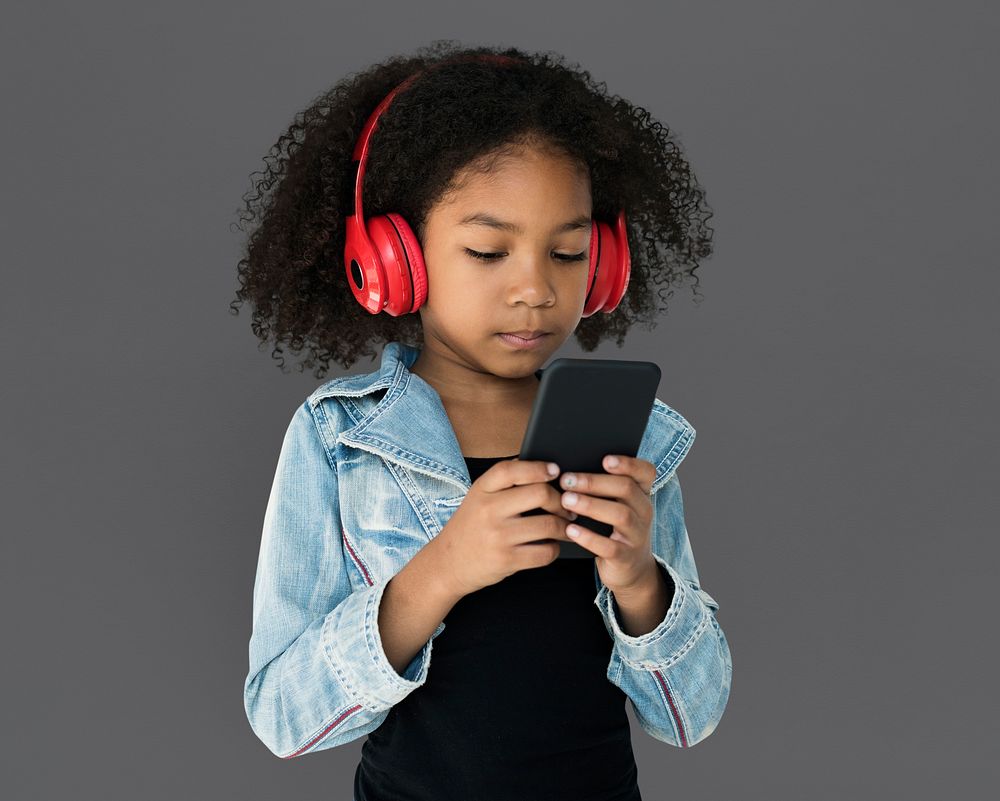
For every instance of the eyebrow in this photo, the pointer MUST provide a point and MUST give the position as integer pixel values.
(482, 218)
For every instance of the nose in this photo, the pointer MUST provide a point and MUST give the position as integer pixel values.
(531, 282)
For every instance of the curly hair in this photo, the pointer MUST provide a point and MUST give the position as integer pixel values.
(461, 113)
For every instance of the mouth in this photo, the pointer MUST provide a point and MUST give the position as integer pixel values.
(525, 333)
(524, 339)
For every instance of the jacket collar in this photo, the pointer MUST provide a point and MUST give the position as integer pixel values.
(404, 425)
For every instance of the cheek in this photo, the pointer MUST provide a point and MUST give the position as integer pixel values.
(574, 286)
(449, 280)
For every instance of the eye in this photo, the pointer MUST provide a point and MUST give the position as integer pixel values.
(484, 256)
(494, 256)
(574, 257)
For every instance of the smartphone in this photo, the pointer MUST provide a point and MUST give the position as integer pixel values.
(584, 410)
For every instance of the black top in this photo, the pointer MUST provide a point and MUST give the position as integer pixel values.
(517, 705)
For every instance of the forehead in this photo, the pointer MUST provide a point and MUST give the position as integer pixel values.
(546, 180)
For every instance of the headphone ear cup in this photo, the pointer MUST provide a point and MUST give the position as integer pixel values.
(415, 255)
(622, 261)
(595, 288)
(365, 275)
(402, 263)
(610, 266)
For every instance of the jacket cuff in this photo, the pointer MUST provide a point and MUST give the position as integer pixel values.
(685, 621)
(353, 644)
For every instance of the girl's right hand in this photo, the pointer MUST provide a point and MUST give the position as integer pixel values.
(487, 539)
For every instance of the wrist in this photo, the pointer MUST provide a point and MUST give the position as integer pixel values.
(642, 609)
(440, 578)
(652, 582)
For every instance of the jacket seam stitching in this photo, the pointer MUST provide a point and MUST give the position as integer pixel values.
(322, 424)
(676, 454)
(691, 641)
(673, 707)
(325, 730)
(356, 558)
(417, 500)
(341, 676)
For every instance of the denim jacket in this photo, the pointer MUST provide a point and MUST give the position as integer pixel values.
(369, 472)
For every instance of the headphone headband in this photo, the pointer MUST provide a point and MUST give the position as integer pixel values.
(360, 154)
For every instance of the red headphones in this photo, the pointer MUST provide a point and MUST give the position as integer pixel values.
(385, 266)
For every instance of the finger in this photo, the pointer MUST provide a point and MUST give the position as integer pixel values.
(536, 529)
(599, 484)
(641, 471)
(515, 472)
(620, 489)
(620, 515)
(592, 541)
(518, 500)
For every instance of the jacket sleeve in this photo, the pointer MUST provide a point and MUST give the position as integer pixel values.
(678, 675)
(318, 675)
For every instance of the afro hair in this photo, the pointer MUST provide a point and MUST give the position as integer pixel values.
(460, 113)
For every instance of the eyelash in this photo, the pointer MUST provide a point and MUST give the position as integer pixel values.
(494, 256)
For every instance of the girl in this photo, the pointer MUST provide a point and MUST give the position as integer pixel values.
(394, 521)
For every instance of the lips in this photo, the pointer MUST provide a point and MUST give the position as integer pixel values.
(524, 334)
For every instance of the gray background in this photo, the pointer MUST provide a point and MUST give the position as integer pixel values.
(839, 373)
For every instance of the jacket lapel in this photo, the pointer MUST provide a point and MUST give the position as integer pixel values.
(410, 427)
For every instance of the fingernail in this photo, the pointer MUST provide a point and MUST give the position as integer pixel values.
(612, 461)
(553, 469)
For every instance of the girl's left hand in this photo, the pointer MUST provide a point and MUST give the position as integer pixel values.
(622, 499)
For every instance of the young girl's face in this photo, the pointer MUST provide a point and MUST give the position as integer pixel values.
(535, 278)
